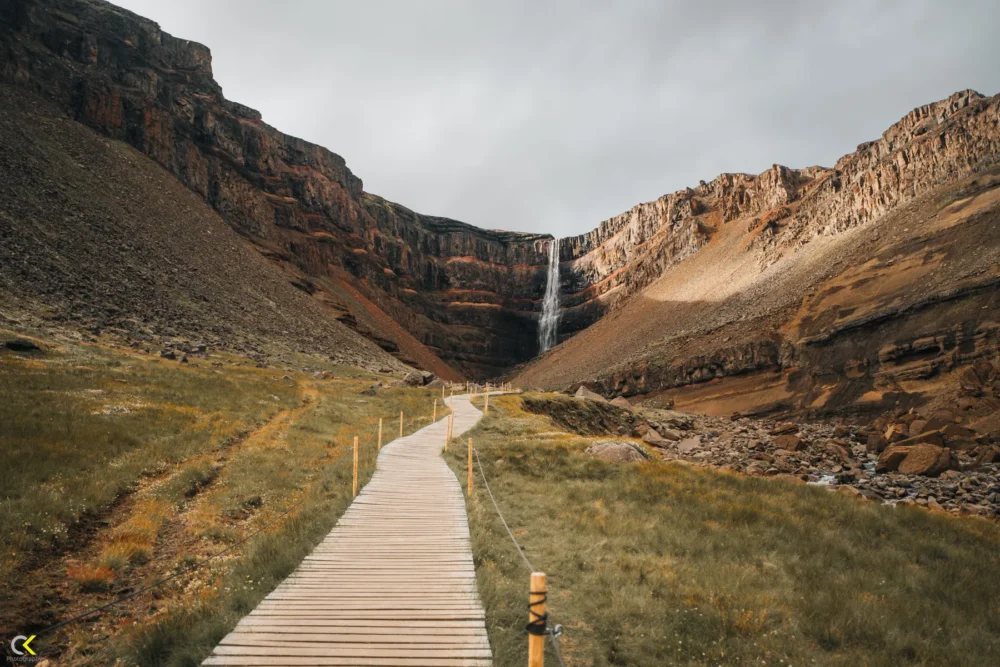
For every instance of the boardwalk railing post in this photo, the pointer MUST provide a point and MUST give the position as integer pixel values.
(380, 434)
(355, 466)
(434, 417)
(470, 467)
(447, 437)
(400, 423)
(536, 620)
(486, 408)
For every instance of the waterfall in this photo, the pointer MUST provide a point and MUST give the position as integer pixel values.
(548, 326)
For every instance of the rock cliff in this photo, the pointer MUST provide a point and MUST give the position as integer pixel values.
(439, 293)
(461, 294)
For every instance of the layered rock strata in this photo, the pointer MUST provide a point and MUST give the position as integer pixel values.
(455, 294)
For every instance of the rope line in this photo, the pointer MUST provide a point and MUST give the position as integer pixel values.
(513, 539)
(191, 568)
(538, 625)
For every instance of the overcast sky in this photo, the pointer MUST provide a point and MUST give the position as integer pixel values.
(553, 116)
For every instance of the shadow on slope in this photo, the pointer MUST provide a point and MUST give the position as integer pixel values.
(94, 234)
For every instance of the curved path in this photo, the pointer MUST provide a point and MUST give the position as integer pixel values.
(392, 584)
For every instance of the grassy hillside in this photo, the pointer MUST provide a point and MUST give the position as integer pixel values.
(657, 563)
(125, 468)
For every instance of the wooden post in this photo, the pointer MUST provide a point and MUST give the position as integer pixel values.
(486, 408)
(355, 466)
(536, 609)
(434, 418)
(380, 434)
(442, 393)
(447, 437)
(470, 467)
(400, 423)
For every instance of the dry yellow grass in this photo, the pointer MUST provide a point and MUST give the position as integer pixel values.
(180, 462)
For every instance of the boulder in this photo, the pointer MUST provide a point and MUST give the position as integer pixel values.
(933, 424)
(838, 451)
(616, 451)
(669, 418)
(890, 458)
(959, 437)
(927, 460)
(784, 428)
(168, 354)
(688, 445)
(621, 402)
(653, 438)
(896, 432)
(989, 454)
(790, 442)
(583, 392)
(414, 379)
(927, 437)
(670, 434)
(21, 345)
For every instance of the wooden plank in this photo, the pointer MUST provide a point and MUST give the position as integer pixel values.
(392, 584)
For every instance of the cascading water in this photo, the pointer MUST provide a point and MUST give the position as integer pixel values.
(548, 326)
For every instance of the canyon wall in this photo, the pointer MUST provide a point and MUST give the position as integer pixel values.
(469, 296)
(457, 295)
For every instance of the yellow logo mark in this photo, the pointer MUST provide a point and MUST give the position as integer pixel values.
(24, 644)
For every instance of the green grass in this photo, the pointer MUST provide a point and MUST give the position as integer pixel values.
(657, 564)
(205, 457)
(82, 425)
(310, 475)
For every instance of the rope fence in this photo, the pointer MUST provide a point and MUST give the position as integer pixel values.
(538, 622)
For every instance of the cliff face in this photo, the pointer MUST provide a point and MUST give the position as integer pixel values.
(858, 287)
(933, 145)
(461, 294)
(438, 292)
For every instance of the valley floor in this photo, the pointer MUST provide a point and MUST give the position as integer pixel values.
(661, 563)
(123, 468)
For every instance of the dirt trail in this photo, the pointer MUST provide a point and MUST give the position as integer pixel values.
(52, 596)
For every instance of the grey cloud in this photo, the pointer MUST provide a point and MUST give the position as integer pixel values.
(552, 116)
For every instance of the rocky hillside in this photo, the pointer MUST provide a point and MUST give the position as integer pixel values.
(741, 253)
(854, 288)
(95, 236)
(781, 208)
(423, 288)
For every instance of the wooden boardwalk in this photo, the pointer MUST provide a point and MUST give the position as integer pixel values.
(392, 584)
